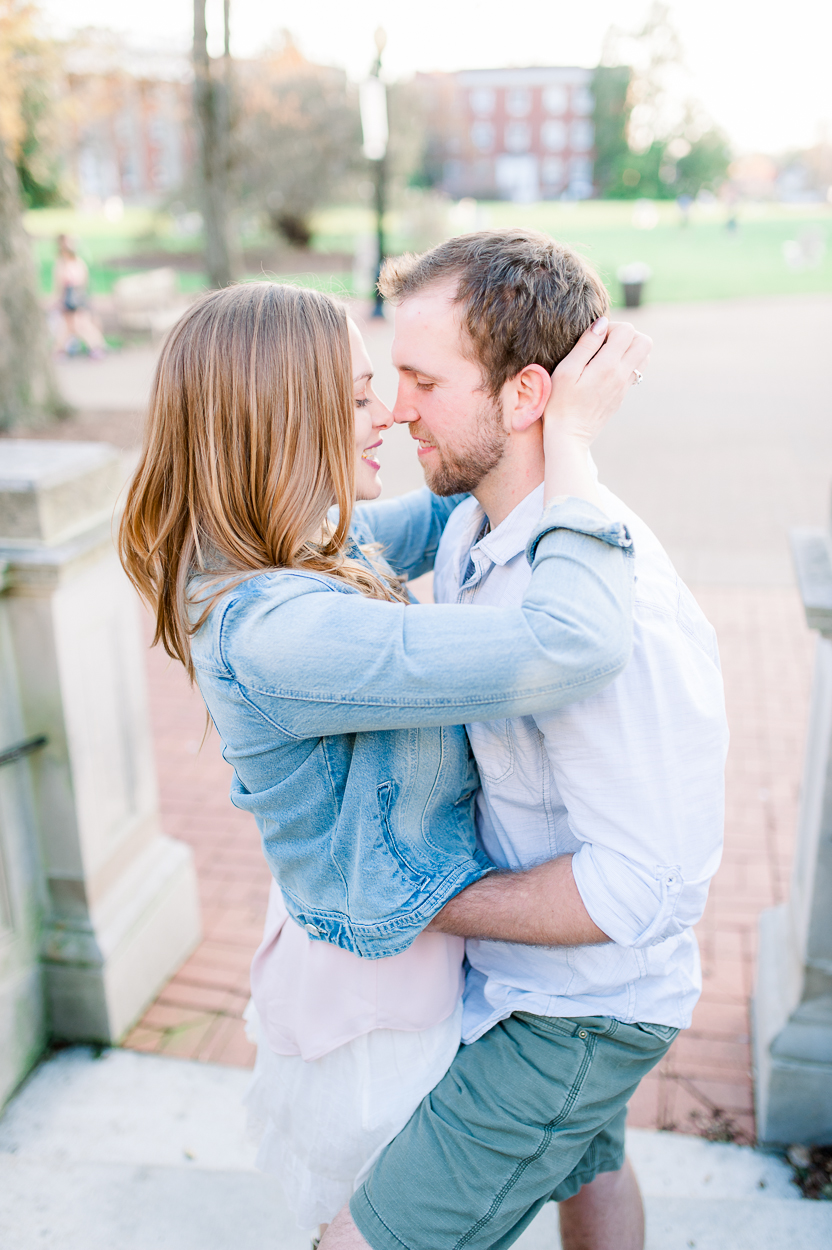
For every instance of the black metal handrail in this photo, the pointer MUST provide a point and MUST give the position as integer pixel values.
(21, 749)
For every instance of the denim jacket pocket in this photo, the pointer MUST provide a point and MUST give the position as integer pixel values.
(385, 796)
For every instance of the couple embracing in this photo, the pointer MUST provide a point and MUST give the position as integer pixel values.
(490, 821)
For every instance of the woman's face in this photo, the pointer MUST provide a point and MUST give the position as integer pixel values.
(371, 417)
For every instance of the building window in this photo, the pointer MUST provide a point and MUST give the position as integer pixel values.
(553, 171)
(482, 136)
(518, 102)
(553, 135)
(580, 170)
(518, 137)
(582, 136)
(482, 101)
(583, 101)
(555, 100)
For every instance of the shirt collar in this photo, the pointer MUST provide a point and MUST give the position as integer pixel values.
(511, 535)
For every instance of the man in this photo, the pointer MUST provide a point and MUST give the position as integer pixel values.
(607, 816)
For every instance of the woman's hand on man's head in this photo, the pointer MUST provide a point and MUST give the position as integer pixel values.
(589, 384)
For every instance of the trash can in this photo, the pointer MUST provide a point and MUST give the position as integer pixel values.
(632, 278)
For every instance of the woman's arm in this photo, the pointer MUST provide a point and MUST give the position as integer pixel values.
(408, 528)
(314, 660)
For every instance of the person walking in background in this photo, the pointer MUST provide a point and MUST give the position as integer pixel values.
(76, 326)
(339, 702)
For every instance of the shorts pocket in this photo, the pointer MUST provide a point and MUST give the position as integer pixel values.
(664, 1032)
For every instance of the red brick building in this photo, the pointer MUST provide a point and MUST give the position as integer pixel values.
(129, 114)
(517, 134)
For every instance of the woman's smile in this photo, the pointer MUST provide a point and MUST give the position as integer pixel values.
(371, 460)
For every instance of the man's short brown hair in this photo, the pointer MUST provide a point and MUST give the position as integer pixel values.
(525, 299)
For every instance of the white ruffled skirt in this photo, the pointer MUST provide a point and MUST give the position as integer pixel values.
(324, 1122)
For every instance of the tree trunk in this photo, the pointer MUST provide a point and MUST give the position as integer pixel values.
(27, 381)
(211, 108)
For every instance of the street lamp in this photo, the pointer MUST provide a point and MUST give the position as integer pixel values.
(373, 104)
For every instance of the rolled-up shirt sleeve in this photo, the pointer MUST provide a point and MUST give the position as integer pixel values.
(640, 770)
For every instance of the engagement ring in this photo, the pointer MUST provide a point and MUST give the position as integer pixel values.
(639, 376)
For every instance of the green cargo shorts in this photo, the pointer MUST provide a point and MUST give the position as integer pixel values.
(527, 1114)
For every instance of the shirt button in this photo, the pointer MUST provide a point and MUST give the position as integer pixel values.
(583, 1034)
(313, 929)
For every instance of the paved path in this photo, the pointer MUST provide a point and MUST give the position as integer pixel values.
(726, 445)
(133, 1151)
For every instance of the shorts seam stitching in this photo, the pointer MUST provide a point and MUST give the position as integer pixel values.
(548, 1130)
(383, 1222)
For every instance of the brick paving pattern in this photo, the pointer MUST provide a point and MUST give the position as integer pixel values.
(198, 1014)
(704, 1084)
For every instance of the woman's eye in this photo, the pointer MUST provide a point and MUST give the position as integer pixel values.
(362, 403)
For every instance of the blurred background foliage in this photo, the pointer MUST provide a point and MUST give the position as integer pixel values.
(668, 190)
(31, 105)
(697, 261)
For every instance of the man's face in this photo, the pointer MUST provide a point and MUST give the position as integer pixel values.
(458, 425)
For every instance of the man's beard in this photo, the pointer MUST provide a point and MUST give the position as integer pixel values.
(457, 472)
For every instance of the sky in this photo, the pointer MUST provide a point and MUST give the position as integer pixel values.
(761, 68)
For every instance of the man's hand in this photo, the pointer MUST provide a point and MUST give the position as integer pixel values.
(538, 907)
(589, 384)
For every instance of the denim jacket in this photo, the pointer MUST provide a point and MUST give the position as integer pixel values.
(343, 716)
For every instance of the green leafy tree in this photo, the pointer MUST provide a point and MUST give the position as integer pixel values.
(652, 144)
(705, 166)
(30, 107)
(27, 384)
(610, 89)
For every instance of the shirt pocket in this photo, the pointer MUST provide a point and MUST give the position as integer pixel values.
(493, 745)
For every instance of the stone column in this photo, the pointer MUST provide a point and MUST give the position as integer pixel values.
(22, 1023)
(120, 899)
(792, 1009)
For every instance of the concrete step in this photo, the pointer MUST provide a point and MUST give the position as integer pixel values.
(145, 1153)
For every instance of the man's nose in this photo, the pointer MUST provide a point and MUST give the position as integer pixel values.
(403, 409)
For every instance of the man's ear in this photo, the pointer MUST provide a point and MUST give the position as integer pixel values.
(527, 394)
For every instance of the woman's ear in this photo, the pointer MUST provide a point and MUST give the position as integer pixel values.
(529, 393)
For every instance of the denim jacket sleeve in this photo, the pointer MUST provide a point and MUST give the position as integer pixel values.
(315, 660)
(408, 528)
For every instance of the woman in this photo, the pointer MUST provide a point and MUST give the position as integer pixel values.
(71, 281)
(340, 705)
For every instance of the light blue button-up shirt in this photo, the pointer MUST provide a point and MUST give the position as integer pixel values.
(628, 781)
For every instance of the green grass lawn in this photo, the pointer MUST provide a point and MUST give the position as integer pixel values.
(701, 261)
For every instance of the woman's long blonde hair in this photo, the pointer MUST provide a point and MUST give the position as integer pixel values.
(250, 440)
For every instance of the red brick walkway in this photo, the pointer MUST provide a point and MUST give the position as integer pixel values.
(198, 1014)
(704, 1085)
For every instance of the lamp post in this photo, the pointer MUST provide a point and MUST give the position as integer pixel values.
(373, 102)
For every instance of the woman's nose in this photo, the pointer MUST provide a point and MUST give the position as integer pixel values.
(382, 416)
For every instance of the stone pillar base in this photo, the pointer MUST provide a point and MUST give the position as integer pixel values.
(792, 1043)
(22, 1026)
(102, 973)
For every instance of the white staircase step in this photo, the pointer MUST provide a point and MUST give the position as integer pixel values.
(140, 1152)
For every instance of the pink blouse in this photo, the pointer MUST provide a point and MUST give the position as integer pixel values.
(311, 996)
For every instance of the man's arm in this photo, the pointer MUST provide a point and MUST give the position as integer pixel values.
(538, 907)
